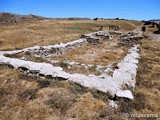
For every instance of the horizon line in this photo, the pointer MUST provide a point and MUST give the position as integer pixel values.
(75, 16)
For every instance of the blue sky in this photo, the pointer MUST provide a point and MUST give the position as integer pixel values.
(129, 9)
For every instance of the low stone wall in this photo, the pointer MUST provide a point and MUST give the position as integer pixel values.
(124, 74)
(130, 38)
(50, 50)
(96, 37)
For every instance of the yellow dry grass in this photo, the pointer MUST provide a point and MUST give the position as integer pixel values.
(49, 103)
(102, 54)
(149, 75)
(86, 108)
(51, 32)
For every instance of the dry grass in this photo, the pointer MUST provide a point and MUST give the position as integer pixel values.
(148, 77)
(23, 97)
(86, 108)
(50, 32)
(147, 91)
(102, 54)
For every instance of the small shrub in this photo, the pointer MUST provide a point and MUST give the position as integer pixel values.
(127, 106)
(56, 83)
(13, 55)
(28, 94)
(77, 89)
(139, 101)
(1, 104)
(93, 70)
(38, 59)
(110, 114)
(99, 95)
(64, 65)
(44, 83)
(18, 48)
(28, 53)
(2, 92)
(61, 100)
(124, 105)
(27, 77)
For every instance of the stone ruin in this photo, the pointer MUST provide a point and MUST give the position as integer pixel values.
(96, 37)
(53, 50)
(115, 32)
(114, 27)
(126, 38)
(130, 38)
(125, 73)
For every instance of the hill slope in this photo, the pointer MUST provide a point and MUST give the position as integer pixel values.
(8, 18)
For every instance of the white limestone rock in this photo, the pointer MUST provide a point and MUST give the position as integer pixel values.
(125, 94)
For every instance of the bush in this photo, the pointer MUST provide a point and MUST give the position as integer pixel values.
(61, 100)
(100, 95)
(13, 55)
(2, 92)
(110, 114)
(28, 94)
(64, 65)
(44, 83)
(77, 89)
(124, 105)
(127, 105)
(28, 77)
(139, 101)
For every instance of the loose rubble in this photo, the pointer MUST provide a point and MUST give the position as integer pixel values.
(96, 37)
(130, 38)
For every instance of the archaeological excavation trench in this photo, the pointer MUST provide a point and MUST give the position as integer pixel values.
(108, 60)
